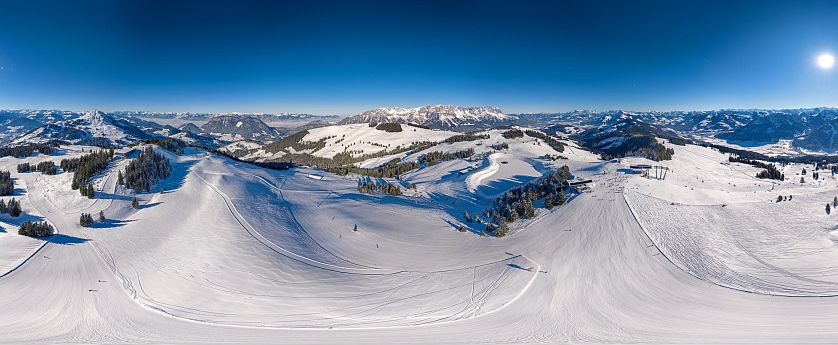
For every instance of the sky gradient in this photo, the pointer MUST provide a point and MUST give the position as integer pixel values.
(343, 57)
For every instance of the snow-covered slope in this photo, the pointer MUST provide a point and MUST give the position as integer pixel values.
(207, 262)
(717, 221)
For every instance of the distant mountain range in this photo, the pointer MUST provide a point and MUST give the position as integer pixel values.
(264, 117)
(814, 129)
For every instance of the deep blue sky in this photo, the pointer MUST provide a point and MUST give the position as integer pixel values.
(347, 56)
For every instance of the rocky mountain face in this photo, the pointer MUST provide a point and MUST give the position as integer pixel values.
(438, 117)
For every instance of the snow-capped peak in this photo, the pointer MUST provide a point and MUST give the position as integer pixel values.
(436, 116)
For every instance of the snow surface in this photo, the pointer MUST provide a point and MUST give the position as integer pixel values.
(224, 252)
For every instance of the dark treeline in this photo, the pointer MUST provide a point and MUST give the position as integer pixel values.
(656, 153)
(12, 208)
(84, 167)
(466, 137)
(24, 151)
(45, 167)
(372, 186)
(436, 157)
(513, 133)
(770, 172)
(555, 144)
(25, 168)
(7, 186)
(392, 168)
(517, 203)
(389, 127)
(36, 229)
(174, 145)
(146, 170)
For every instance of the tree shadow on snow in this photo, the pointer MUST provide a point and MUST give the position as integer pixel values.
(628, 171)
(18, 192)
(65, 239)
(17, 221)
(111, 196)
(110, 223)
(149, 205)
(497, 187)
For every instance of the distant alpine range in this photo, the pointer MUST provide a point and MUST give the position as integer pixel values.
(811, 130)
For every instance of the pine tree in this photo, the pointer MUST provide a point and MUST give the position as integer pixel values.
(90, 192)
(503, 229)
(14, 208)
(548, 201)
(560, 198)
(3, 208)
(779, 198)
(828, 209)
(529, 210)
(101, 216)
(119, 179)
(802, 180)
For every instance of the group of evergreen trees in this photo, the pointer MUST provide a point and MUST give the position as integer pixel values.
(436, 157)
(86, 219)
(12, 208)
(84, 167)
(389, 127)
(466, 137)
(145, 171)
(770, 172)
(36, 229)
(517, 203)
(656, 152)
(24, 151)
(45, 167)
(513, 133)
(372, 186)
(391, 169)
(174, 145)
(7, 186)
